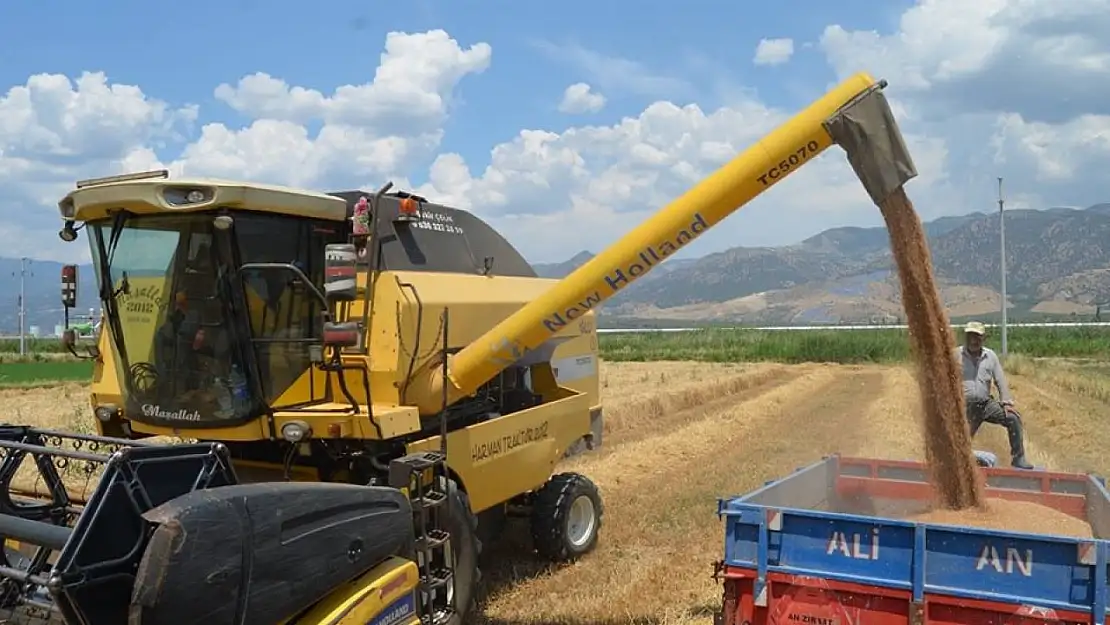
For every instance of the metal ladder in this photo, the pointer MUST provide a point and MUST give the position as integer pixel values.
(424, 476)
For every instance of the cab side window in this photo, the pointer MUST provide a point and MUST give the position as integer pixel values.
(284, 314)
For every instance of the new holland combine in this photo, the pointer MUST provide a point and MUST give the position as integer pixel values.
(373, 384)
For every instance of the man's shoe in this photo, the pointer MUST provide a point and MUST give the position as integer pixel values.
(1014, 431)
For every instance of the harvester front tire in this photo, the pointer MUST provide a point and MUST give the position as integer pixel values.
(465, 547)
(566, 517)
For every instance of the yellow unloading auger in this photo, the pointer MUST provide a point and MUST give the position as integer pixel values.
(854, 115)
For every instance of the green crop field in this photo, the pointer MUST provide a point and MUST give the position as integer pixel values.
(841, 346)
(43, 372)
(47, 361)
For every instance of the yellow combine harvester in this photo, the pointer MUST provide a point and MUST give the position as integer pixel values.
(375, 383)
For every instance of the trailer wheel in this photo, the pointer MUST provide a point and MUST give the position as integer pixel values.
(566, 517)
(464, 549)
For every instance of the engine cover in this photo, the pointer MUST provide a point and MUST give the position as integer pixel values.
(261, 553)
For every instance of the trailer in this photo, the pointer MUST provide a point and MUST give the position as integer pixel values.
(834, 543)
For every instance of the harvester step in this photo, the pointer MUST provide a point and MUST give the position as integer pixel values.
(442, 615)
(430, 499)
(422, 461)
(402, 470)
(439, 578)
(433, 540)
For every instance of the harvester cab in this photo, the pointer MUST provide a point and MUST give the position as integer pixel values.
(373, 384)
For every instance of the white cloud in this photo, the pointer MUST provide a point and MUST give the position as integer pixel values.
(993, 96)
(773, 51)
(412, 86)
(578, 98)
(583, 188)
(1057, 153)
(1047, 59)
(1019, 89)
(54, 131)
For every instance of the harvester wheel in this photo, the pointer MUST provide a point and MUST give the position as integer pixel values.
(566, 517)
(465, 549)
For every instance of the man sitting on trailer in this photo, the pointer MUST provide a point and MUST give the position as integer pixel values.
(981, 367)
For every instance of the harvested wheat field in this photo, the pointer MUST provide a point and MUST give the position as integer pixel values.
(678, 435)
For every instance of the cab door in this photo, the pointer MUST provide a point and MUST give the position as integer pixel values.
(285, 317)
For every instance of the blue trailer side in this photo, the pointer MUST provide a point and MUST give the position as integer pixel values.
(833, 523)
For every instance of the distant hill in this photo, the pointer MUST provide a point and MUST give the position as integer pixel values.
(1058, 264)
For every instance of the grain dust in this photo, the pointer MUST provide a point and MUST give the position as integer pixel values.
(1012, 516)
(947, 439)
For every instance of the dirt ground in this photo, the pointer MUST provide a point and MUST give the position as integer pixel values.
(679, 435)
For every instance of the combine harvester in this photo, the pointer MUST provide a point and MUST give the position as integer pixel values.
(374, 382)
(829, 545)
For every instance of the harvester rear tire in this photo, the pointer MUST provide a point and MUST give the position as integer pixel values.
(466, 548)
(566, 517)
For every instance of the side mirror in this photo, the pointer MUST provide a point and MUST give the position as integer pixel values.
(341, 285)
(69, 286)
(340, 272)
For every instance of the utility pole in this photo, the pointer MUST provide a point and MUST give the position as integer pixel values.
(1002, 246)
(22, 307)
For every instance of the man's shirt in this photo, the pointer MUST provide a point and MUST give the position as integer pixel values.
(980, 371)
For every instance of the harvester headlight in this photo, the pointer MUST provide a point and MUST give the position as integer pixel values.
(295, 431)
(106, 412)
(188, 196)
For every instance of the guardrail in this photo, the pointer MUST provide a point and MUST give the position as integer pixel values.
(891, 326)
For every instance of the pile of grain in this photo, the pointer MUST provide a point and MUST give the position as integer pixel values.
(1013, 516)
(947, 440)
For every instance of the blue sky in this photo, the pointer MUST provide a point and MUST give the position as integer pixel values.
(707, 44)
(589, 180)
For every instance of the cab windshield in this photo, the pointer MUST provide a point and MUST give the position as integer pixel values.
(199, 343)
(170, 301)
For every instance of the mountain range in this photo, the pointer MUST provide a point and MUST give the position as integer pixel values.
(1058, 265)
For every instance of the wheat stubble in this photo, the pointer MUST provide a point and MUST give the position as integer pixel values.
(947, 439)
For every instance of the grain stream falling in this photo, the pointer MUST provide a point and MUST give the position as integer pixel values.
(948, 441)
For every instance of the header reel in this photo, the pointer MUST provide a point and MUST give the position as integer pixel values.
(79, 558)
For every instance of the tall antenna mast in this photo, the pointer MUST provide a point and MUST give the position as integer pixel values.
(1002, 248)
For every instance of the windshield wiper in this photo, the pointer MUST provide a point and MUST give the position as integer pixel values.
(107, 293)
(106, 255)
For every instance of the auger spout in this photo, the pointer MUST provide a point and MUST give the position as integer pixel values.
(786, 149)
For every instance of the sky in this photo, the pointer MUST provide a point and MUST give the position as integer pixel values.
(564, 125)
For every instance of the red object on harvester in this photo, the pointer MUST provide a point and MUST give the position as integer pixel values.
(69, 286)
(409, 207)
(360, 219)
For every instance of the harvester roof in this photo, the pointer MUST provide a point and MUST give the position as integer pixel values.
(93, 200)
(442, 238)
(445, 238)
